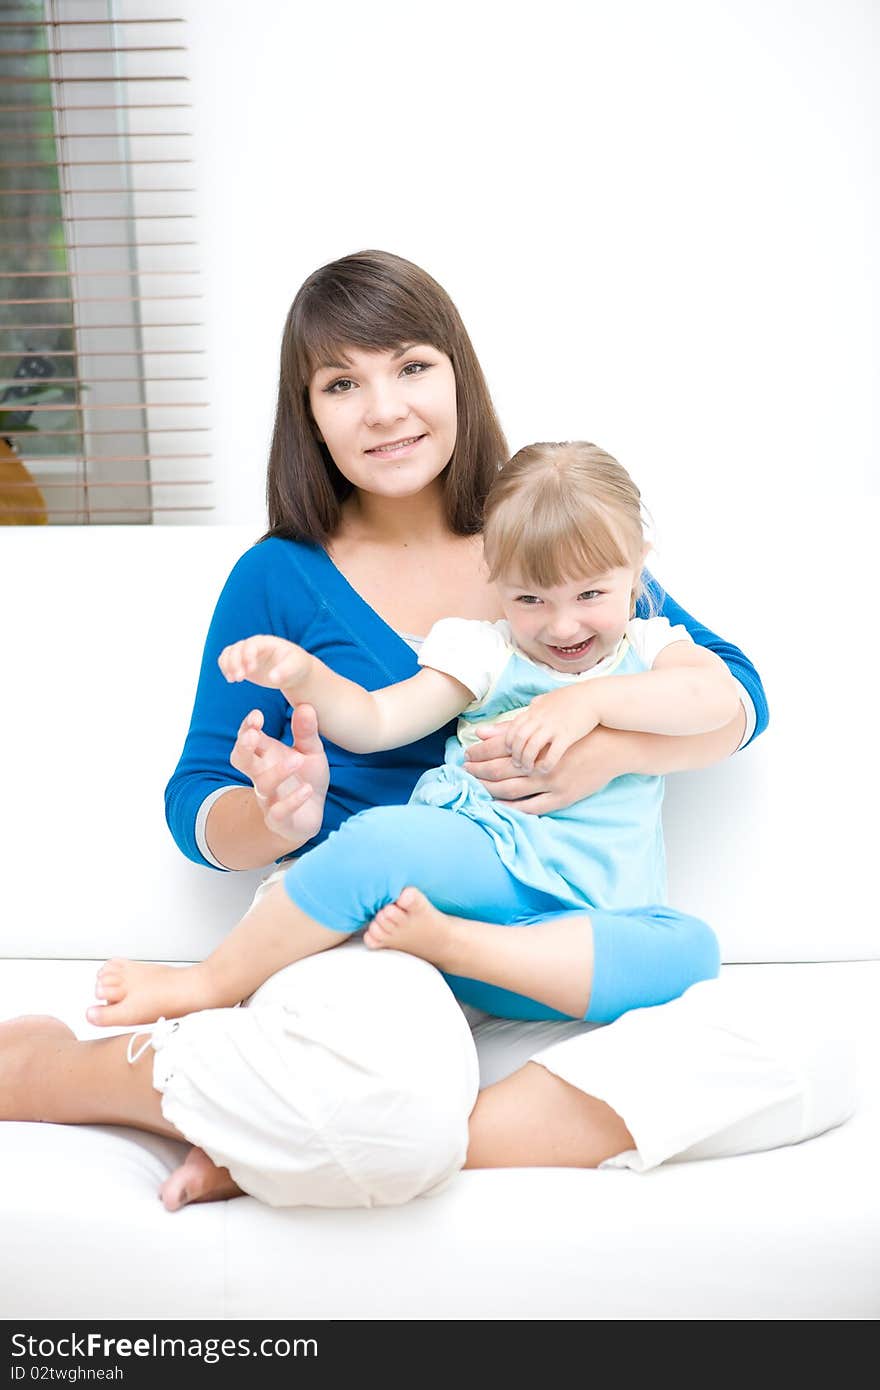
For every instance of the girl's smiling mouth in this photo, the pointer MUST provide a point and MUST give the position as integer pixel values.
(572, 653)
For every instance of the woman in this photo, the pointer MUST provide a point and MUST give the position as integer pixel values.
(385, 439)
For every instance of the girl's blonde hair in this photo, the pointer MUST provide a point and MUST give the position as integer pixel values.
(557, 512)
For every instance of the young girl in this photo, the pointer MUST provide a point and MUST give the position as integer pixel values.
(447, 876)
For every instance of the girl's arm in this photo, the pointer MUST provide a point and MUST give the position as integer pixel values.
(363, 721)
(687, 691)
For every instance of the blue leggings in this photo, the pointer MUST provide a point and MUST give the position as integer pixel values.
(642, 956)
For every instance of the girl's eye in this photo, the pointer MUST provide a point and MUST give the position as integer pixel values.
(590, 593)
(414, 368)
(528, 598)
(338, 387)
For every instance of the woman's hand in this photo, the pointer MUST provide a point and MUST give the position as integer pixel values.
(290, 783)
(589, 765)
(539, 736)
(269, 661)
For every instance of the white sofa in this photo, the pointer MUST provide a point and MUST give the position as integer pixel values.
(102, 635)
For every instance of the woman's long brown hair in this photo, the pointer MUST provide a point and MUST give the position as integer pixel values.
(378, 302)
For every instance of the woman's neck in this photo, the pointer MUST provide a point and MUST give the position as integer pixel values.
(402, 558)
(401, 521)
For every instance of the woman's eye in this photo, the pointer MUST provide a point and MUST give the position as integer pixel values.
(414, 368)
(339, 387)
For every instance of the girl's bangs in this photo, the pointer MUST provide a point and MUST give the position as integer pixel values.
(553, 549)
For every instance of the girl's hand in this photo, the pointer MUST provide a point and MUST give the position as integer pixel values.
(290, 783)
(268, 661)
(537, 738)
(587, 767)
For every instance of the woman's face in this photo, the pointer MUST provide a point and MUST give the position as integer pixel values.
(388, 418)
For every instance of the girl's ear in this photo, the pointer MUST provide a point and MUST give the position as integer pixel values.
(633, 600)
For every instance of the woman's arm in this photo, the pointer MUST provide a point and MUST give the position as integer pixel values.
(247, 827)
(237, 834)
(234, 757)
(593, 762)
(656, 601)
(363, 721)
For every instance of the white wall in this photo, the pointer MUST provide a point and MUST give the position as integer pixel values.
(658, 223)
(655, 219)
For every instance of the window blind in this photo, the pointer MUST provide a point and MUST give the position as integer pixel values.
(103, 390)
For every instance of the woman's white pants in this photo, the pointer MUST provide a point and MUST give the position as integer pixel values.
(348, 1078)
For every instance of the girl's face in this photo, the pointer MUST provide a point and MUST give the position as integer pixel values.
(388, 418)
(573, 626)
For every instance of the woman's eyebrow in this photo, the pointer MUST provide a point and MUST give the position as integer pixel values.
(345, 366)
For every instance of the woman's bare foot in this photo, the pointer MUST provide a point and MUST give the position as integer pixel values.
(198, 1179)
(415, 925)
(141, 992)
(27, 1045)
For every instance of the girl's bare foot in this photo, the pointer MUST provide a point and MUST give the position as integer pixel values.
(27, 1044)
(415, 925)
(198, 1179)
(550, 961)
(141, 992)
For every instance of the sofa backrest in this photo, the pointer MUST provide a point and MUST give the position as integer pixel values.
(102, 636)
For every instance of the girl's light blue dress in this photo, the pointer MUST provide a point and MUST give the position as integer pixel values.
(605, 851)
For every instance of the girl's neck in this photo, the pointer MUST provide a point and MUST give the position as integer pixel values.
(395, 522)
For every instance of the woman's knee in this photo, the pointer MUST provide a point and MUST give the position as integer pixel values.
(354, 1073)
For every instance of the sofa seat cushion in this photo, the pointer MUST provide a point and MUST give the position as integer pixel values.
(85, 1236)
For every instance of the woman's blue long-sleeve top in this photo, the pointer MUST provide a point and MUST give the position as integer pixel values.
(292, 589)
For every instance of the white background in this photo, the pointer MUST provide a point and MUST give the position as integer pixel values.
(657, 221)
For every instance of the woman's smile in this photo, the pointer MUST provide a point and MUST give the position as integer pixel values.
(396, 448)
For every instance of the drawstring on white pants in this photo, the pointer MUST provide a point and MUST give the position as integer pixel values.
(150, 1032)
